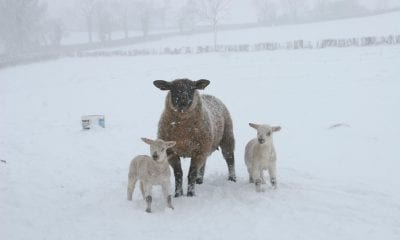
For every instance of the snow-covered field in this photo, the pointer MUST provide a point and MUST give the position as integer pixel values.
(379, 25)
(60, 182)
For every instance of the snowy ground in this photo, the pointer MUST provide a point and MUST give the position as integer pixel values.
(59, 182)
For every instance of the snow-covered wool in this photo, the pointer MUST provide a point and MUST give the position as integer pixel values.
(199, 124)
(151, 171)
(260, 155)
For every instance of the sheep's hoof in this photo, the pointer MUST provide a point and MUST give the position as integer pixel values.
(190, 194)
(199, 181)
(178, 193)
(232, 179)
(148, 210)
(172, 207)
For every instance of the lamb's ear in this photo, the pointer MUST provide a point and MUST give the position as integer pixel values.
(148, 141)
(253, 125)
(201, 84)
(276, 128)
(162, 84)
(170, 144)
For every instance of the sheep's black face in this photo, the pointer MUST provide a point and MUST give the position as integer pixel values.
(182, 91)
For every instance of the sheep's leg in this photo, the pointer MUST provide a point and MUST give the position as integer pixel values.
(227, 145)
(175, 163)
(166, 188)
(272, 175)
(195, 164)
(147, 192)
(131, 186)
(200, 175)
(227, 152)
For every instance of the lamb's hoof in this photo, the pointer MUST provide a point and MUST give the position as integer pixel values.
(199, 181)
(260, 190)
(190, 194)
(178, 193)
(232, 178)
(172, 207)
(148, 210)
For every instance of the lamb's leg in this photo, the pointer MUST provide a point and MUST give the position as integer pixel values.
(251, 179)
(257, 178)
(131, 186)
(227, 147)
(142, 189)
(166, 188)
(200, 175)
(175, 163)
(262, 176)
(147, 192)
(196, 162)
(272, 175)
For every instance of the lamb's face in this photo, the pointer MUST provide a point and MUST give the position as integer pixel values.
(158, 149)
(182, 92)
(264, 132)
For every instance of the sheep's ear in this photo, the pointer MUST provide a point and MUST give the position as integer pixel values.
(253, 125)
(162, 84)
(170, 144)
(148, 141)
(201, 84)
(276, 129)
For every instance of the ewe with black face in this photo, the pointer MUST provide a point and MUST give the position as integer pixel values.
(199, 124)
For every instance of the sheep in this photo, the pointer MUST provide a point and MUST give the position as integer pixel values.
(199, 124)
(151, 171)
(260, 155)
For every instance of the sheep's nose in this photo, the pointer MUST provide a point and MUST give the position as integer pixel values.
(261, 141)
(155, 156)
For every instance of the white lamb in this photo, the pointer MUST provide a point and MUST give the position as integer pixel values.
(151, 171)
(260, 155)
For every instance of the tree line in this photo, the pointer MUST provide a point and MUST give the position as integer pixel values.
(26, 25)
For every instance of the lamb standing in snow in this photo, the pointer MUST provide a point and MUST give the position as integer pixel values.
(260, 155)
(151, 171)
(199, 124)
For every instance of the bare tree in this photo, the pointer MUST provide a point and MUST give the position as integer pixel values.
(294, 7)
(88, 8)
(266, 11)
(145, 9)
(212, 11)
(104, 20)
(21, 24)
(188, 16)
(54, 31)
(122, 9)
